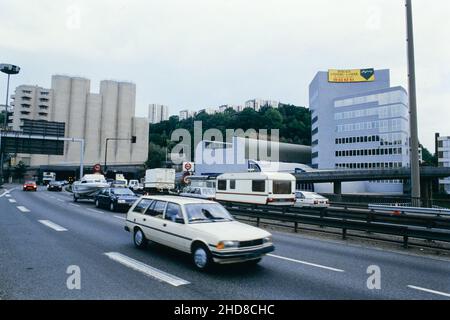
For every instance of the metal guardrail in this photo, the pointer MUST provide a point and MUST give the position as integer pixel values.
(408, 209)
(414, 225)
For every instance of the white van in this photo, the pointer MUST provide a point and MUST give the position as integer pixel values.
(268, 188)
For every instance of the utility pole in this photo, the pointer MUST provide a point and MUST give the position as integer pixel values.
(415, 168)
(132, 140)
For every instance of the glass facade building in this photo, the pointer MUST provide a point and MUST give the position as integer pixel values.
(360, 126)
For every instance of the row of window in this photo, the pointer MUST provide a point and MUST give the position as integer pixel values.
(382, 125)
(368, 152)
(375, 165)
(397, 110)
(384, 139)
(444, 143)
(388, 181)
(381, 98)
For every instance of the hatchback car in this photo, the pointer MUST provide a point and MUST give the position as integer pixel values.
(29, 186)
(204, 229)
(115, 198)
(55, 186)
(311, 200)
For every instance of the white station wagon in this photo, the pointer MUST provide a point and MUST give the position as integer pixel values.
(202, 228)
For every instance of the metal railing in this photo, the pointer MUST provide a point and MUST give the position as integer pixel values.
(373, 222)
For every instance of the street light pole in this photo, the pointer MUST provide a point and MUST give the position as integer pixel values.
(414, 159)
(9, 69)
(132, 140)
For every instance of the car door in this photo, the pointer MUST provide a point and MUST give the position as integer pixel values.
(105, 197)
(175, 229)
(153, 221)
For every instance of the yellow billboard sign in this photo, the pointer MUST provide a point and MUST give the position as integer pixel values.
(348, 76)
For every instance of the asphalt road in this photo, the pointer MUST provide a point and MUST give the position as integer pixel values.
(44, 233)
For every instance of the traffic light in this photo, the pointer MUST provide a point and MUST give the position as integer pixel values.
(133, 139)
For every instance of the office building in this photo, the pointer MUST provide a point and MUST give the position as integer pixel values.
(31, 102)
(93, 117)
(185, 114)
(443, 151)
(360, 125)
(157, 113)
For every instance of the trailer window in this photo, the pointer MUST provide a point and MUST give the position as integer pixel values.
(233, 184)
(258, 185)
(222, 185)
(282, 187)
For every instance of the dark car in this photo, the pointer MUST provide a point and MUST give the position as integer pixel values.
(115, 198)
(30, 186)
(55, 186)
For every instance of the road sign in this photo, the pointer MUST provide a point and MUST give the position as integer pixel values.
(188, 166)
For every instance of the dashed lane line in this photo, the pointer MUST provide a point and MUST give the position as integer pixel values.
(430, 291)
(23, 209)
(306, 263)
(12, 200)
(146, 269)
(52, 225)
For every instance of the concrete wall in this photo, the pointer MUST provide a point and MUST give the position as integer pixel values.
(139, 150)
(110, 92)
(126, 103)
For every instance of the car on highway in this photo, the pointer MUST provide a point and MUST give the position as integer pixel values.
(119, 184)
(29, 186)
(310, 200)
(199, 192)
(54, 186)
(202, 228)
(115, 199)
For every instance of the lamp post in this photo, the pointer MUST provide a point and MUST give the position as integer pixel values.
(415, 167)
(9, 69)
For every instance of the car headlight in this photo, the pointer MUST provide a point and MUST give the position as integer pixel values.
(121, 201)
(267, 240)
(227, 244)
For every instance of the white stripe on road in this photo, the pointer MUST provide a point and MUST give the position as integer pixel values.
(146, 269)
(23, 209)
(12, 200)
(74, 205)
(95, 211)
(119, 217)
(52, 225)
(430, 291)
(8, 195)
(306, 263)
(60, 200)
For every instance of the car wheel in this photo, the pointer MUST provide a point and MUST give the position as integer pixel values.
(97, 204)
(201, 257)
(139, 239)
(112, 207)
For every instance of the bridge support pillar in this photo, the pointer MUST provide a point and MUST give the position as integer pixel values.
(427, 193)
(337, 190)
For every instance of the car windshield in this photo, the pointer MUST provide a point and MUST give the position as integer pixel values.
(30, 182)
(119, 182)
(207, 212)
(122, 192)
(313, 196)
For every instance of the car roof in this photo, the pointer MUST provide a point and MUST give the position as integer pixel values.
(177, 199)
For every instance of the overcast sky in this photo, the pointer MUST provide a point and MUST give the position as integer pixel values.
(201, 53)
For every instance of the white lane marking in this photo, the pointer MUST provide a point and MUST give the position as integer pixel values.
(306, 263)
(95, 211)
(119, 217)
(74, 205)
(60, 200)
(430, 291)
(8, 195)
(23, 209)
(146, 269)
(52, 225)
(12, 200)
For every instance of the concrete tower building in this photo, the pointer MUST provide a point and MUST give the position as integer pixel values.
(92, 117)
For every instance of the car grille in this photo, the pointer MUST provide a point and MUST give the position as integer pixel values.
(251, 243)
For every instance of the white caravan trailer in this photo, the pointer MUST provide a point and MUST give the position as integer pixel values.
(267, 188)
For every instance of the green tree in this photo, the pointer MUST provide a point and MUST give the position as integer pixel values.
(156, 156)
(429, 160)
(19, 170)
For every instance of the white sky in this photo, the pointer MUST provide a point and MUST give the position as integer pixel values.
(200, 53)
